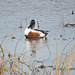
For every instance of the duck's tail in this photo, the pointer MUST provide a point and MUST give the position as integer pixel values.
(45, 32)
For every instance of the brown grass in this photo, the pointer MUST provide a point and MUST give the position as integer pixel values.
(16, 63)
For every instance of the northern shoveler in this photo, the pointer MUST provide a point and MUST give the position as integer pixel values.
(34, 33)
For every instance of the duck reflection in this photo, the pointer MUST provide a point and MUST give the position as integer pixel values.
(32, 44)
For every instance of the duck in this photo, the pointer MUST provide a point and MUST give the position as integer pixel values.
(29, 32)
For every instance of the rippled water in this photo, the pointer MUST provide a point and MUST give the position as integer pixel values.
(51, 15)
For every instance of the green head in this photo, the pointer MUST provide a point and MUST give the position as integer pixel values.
(32, 24)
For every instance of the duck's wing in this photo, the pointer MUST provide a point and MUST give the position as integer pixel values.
(43, 31)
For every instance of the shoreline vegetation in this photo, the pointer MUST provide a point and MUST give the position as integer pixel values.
(16, 63)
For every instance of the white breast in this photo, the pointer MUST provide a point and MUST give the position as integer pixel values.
(27, 30)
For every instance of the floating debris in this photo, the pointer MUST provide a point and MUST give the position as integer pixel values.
(9, 55)
(18, 58)
(64, 39)
(73, 12)
(43, 66)
(67, 25)
(73, 38)
(13, 37)
(6, 36)
(33, 51)
(38, 24)
(60, 35)
(21, 26)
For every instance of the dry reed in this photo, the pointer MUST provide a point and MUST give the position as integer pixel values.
(18, 62)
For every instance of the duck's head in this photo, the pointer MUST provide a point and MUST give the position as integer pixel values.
(32, 24)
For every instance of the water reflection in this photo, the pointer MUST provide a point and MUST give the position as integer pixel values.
(37, 48)
(34, 43)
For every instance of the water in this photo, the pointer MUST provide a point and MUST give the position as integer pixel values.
(51, 15)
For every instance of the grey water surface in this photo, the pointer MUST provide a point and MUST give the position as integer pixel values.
(51, 15)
